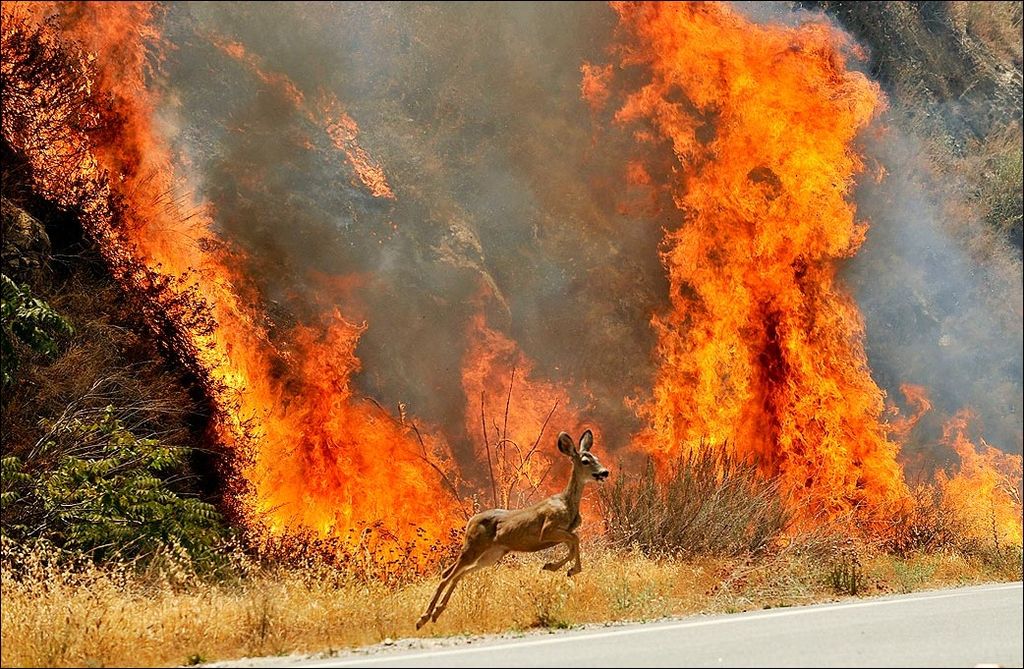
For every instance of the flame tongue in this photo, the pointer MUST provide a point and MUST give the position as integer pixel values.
(517, 413)
(984, 493)
(330, 116)
(760, 348)
(312, 458)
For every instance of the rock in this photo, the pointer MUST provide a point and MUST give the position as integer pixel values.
(26, 246)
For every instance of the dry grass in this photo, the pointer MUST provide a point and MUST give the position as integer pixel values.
(996, 25)
(705, 505)
(54, 614)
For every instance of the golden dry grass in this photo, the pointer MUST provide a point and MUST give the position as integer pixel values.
(88, 616)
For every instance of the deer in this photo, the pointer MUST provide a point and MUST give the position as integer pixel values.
(492, 534)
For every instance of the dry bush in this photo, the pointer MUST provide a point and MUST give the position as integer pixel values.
(49, 107)
(933, 540)
(106, 363)
(701, 506)
(928, 525)
(993, 175)
(997, 25)
(935, 524)
(370, 555)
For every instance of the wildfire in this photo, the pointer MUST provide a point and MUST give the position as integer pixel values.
(312, 457)
(517, 416)
(984, 491)
(900, 427)
(329, 115)
(761, 349)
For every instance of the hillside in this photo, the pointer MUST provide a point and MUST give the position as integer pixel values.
(273, 328)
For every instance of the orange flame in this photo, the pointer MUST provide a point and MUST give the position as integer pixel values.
(594, 85)
(760, 352)
(312, 456)
(761, 349)
(917, 396)
(985, 490)
(329, 115)
(517, 419)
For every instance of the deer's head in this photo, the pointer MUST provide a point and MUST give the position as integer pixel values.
(585, 465)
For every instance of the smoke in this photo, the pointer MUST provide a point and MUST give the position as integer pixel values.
(503, 202)
(941, 296)
(506, 203)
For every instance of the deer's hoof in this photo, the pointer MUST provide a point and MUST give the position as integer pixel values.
(572, 572)
(422, 621)
(550, 566)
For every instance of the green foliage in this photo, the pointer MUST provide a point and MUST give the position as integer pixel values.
(97, 488)
(13, 479)
(912, 574)
(28, 322)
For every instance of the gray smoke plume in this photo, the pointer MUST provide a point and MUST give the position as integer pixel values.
(474, 113)
(941, 296)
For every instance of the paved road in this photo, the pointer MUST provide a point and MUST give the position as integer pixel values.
(966, 627)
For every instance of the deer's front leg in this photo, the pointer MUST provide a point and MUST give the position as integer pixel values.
(573, 543)
(577, 566)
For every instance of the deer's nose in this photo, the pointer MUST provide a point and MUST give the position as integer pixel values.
(601, 475)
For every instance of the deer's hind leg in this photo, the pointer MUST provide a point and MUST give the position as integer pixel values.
(490, 557)
(479, 541)
(466, 558)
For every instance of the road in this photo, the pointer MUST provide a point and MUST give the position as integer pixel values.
(966, 627)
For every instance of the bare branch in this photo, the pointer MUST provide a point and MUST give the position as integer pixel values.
(444, 477)
(487, 445)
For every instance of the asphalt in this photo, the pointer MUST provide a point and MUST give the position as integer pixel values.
(964, 627)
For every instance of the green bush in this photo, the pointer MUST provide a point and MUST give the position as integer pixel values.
(27, 322)
(91, 485)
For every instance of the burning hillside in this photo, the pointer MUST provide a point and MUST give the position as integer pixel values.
(311, 456)
(761, 349)
(397, 279)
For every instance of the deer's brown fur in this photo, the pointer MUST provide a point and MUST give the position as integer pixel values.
(493, 533)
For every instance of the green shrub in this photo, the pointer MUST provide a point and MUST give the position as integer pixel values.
(91, 485)
(28, 322)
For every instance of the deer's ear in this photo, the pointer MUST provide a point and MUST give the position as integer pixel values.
(566, 445)
(586, 441)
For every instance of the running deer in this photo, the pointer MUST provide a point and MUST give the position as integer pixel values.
(491, 534)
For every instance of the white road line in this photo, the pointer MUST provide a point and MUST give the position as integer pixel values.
(661, 627)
